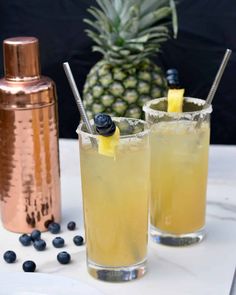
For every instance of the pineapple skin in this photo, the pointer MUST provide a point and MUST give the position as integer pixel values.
(121, 91)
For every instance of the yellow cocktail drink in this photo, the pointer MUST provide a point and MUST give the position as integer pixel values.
(115, 200)
(179, 176)
(179, 168)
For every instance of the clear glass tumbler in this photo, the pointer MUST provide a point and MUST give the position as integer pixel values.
(115, 202)
(179, 169)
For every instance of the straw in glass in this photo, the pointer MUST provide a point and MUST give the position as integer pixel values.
(215, 84)
(78, 100)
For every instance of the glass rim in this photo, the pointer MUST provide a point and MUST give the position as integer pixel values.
(142, 133)
(147, 107)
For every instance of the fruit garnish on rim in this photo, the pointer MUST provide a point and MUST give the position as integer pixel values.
(175, 99)
(109, 135)
(175, 96)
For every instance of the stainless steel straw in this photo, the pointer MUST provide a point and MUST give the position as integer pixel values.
(78, 100)
(215, 84)
(77, 97)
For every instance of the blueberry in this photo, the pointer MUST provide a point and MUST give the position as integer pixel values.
(29, 266)
(35, 235)
(40, 245)
(25, 240)
(102, 120)
(58, 242)
(63, 257)
(172, 77)
(173, 83)
(47, 222)
(78, 240)
(71, 225)
(172, 72)
(104, 124)
(9, 256)
(54, 228)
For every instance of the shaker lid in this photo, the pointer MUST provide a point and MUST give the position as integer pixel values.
(21, 58)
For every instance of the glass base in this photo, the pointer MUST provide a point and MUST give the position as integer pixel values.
(168, 239)
(117, 274)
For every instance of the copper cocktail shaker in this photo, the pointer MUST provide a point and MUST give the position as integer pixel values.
(29, 157)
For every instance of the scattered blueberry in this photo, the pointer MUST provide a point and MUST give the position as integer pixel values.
(63, 257)
(104, 124)
(9, 256)
(58, 242)
(25, 240)
(40, 245)
(71, 225)
(54, 228)
(47, 222)
(35, 235)
(29, 266)
(78, 240)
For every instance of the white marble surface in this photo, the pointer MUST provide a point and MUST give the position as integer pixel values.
(206, 268)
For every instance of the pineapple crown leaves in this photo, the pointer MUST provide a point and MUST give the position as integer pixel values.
(127, 31)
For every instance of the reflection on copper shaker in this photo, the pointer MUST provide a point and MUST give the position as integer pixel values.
(29, 157)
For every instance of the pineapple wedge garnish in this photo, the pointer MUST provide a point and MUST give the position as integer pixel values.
(175, 98)
(107, 144)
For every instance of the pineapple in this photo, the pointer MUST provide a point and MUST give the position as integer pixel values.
(175, 99)
(127, 33)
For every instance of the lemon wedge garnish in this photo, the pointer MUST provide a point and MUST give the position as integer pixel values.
(175, 98)
(107, 144)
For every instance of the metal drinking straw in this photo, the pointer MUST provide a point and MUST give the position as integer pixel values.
(215, 84)
(78, 100)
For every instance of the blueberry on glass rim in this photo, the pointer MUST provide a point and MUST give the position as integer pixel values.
(172, 77)
(173, 83)
(104, 125)
(172, 72)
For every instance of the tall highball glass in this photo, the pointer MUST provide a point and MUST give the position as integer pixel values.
(179, 168)
(115, 202)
